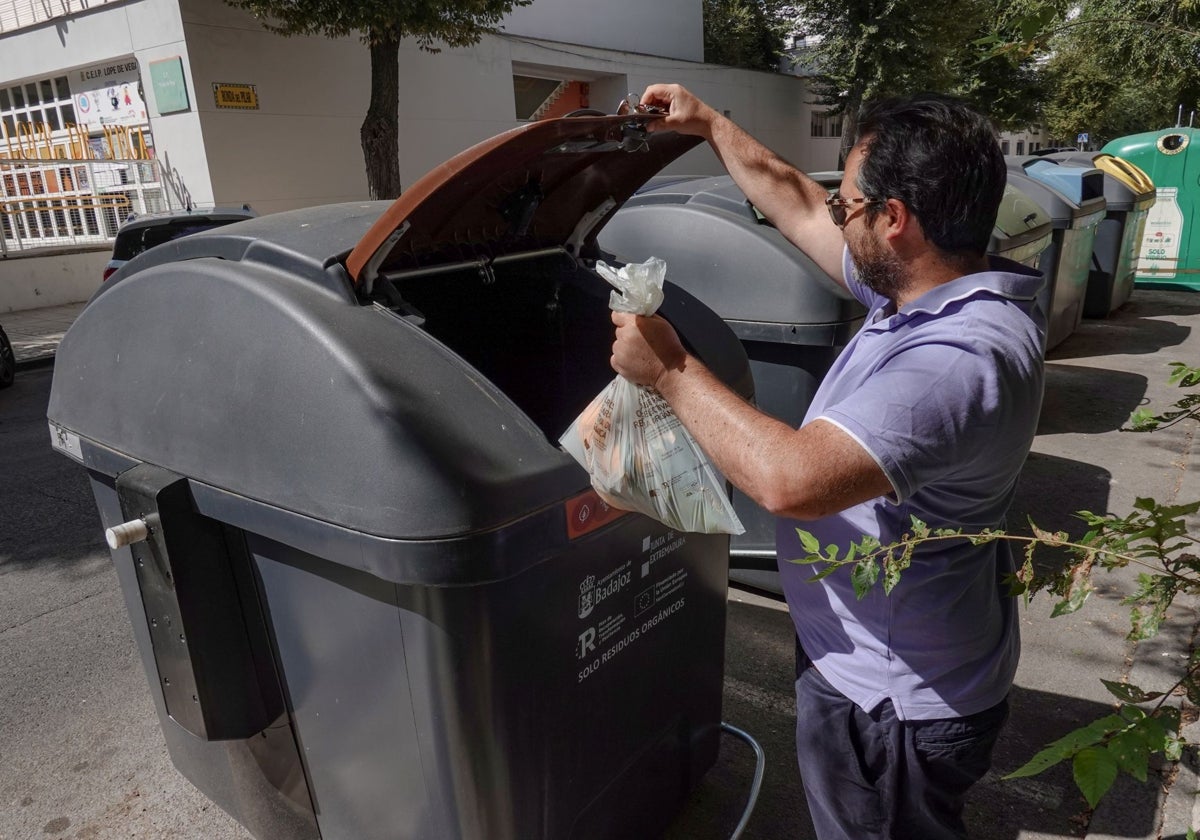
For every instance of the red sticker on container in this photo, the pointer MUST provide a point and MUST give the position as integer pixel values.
(587, 512)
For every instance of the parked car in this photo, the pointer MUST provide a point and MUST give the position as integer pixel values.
(8, 362)
(140, 233)
(1053, 150)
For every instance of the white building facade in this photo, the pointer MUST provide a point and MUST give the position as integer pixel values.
(230, 113)
(1024, 142)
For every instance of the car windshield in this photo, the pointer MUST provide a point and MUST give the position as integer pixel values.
(133, 242)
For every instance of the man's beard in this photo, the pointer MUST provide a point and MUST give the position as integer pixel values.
(878, 269)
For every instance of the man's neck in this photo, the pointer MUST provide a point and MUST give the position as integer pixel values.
(928, 271)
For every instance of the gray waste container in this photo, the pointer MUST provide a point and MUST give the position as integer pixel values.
(1023, 230)
(1067, 262)
(375, 599)
(792, 318)
(1130, 195)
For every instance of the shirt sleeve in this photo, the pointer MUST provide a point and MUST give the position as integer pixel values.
(926, 411)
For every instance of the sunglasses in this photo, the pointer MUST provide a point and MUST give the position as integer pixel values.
(839, 208)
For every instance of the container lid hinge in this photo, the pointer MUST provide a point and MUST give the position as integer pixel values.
(584, 228)
(371, 270)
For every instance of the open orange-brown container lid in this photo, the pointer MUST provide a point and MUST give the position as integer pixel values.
(547, 184)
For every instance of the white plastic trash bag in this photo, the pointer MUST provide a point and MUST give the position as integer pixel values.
(638, 454)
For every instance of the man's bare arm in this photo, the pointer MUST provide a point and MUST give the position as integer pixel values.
(803, 473)
(793, 202)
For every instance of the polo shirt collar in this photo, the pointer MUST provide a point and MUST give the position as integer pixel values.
(1005, 279)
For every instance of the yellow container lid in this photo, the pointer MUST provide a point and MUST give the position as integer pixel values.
(1128, 173)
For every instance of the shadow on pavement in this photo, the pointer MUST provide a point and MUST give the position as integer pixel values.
(1048, 804)
(1051, 489)
(1087, 400)
(1131, 330)
(47, 514)
(758, 698)
(1152, 303)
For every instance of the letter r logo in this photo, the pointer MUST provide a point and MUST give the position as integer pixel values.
(587, 641)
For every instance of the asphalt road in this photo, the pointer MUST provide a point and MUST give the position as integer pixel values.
(81, 755)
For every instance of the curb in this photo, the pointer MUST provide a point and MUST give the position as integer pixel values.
(1181, 805)
(35, 363)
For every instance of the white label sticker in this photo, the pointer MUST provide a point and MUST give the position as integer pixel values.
(1160, 242)
(65, 441)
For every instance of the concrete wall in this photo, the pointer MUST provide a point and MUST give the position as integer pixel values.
(669, 28)
(478, 98)
(50, 279)
(302, 146)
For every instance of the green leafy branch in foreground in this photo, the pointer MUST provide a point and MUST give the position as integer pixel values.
(1188, 407)
(1153, 537)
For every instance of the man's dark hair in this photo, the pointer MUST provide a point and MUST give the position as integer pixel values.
(942, 159)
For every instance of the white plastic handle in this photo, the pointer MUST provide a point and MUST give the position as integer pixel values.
(126, 533)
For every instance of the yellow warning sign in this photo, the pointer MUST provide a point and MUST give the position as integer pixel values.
(235, 96)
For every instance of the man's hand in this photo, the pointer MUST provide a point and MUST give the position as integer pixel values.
(645, 348)
(685, 113)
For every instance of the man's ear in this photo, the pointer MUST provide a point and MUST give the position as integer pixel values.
(899, 221)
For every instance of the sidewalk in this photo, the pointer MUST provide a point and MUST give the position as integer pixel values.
(1080, 460)
(35, 333)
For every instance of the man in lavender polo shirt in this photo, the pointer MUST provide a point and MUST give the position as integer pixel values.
(928, 412)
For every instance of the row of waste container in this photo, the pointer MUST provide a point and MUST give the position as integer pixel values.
(372, 596)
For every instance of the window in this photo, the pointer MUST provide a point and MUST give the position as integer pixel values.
(826, 125)
(27, 107)
(1003, 147)
(1020, 147)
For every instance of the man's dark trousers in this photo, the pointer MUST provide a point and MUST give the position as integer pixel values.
(875, 777)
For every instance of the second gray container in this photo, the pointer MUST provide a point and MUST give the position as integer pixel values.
(1067, 262)
(1119, 237)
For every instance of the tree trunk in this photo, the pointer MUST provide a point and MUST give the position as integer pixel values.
(849, 126)
(380, 131)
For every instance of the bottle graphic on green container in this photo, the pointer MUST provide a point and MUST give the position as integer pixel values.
(1160, 243)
